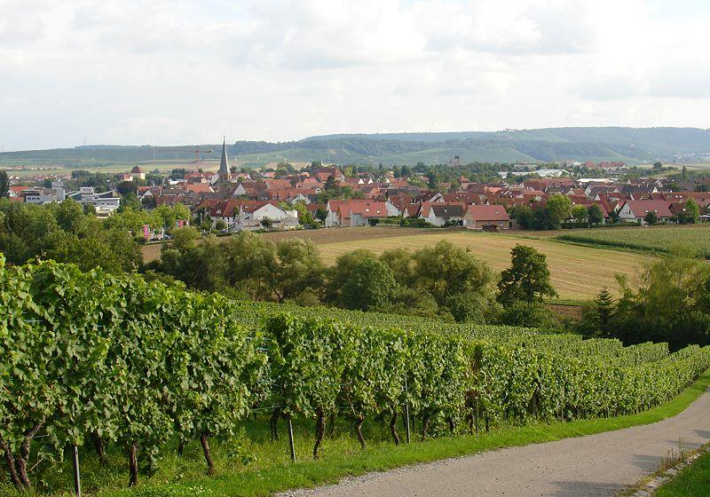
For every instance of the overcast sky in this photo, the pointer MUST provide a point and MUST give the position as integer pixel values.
(187, 71)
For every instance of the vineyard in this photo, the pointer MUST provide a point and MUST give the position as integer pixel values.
(660, 239)
(97, 363)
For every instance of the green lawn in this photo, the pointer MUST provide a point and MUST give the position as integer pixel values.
(252, 465)
(693, 481)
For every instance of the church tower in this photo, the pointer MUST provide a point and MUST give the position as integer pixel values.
(224, 165)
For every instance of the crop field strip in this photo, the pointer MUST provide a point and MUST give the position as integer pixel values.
(658, 239)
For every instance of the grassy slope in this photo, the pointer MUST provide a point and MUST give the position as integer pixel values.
(308, 473)
(609, 143)
(693, 481)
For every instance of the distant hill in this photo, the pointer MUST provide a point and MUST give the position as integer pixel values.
(632, 145)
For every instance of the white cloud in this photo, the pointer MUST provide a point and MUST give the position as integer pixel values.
(186, 71)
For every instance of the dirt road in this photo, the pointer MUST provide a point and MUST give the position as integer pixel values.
(596, 465)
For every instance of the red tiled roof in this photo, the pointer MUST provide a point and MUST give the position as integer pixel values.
(487, 213)
(219, 208)
(197, 187)
(640, 208)
(456, 209)
(364, 208)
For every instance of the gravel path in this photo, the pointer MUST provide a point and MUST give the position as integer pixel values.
(595, 465)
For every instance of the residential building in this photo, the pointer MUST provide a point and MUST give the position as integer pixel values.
(487, 217)
(636, 210)
(441, 213)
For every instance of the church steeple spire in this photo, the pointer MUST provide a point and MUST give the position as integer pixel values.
(224, 164)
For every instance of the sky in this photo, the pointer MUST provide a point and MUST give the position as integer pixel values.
(187, 71)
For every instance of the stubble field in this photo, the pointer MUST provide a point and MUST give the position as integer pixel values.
(578, 272)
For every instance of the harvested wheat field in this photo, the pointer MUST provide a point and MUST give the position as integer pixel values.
(578, 272)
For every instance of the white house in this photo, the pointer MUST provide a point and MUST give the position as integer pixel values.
(636, 210)
(439, 213)
(254, 216)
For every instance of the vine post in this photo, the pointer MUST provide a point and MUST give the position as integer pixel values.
(406, 412)
(77, 471)
(291, 445)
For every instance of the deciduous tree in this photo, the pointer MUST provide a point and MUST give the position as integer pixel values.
(528, 278)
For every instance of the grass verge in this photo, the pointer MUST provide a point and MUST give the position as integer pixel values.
(692, 481)
(379, 457)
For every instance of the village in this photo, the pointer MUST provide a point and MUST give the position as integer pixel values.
(325, 197)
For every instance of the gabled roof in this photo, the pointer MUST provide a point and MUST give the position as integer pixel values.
(444, 210)
(487, 213)
(197, 187)
(448, 210)
(278, 184)
(218, 207)
(467, 197)
(640, 208)
(366, 209)
(251, 206)
(412, 210)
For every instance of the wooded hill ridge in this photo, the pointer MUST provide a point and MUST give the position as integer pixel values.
(631, 145)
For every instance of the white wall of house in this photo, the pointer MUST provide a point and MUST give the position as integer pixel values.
(432, 219)
(268, 211)
(357, 220)
(40, 198)
(286, 220)
(332, 220)
(392, 211)
(478, 225)
(626, 214)
(300, 198)
(230, 221)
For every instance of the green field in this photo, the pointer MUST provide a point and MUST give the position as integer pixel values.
(656, 239)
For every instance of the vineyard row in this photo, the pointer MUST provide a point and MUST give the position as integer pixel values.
(96, 358)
